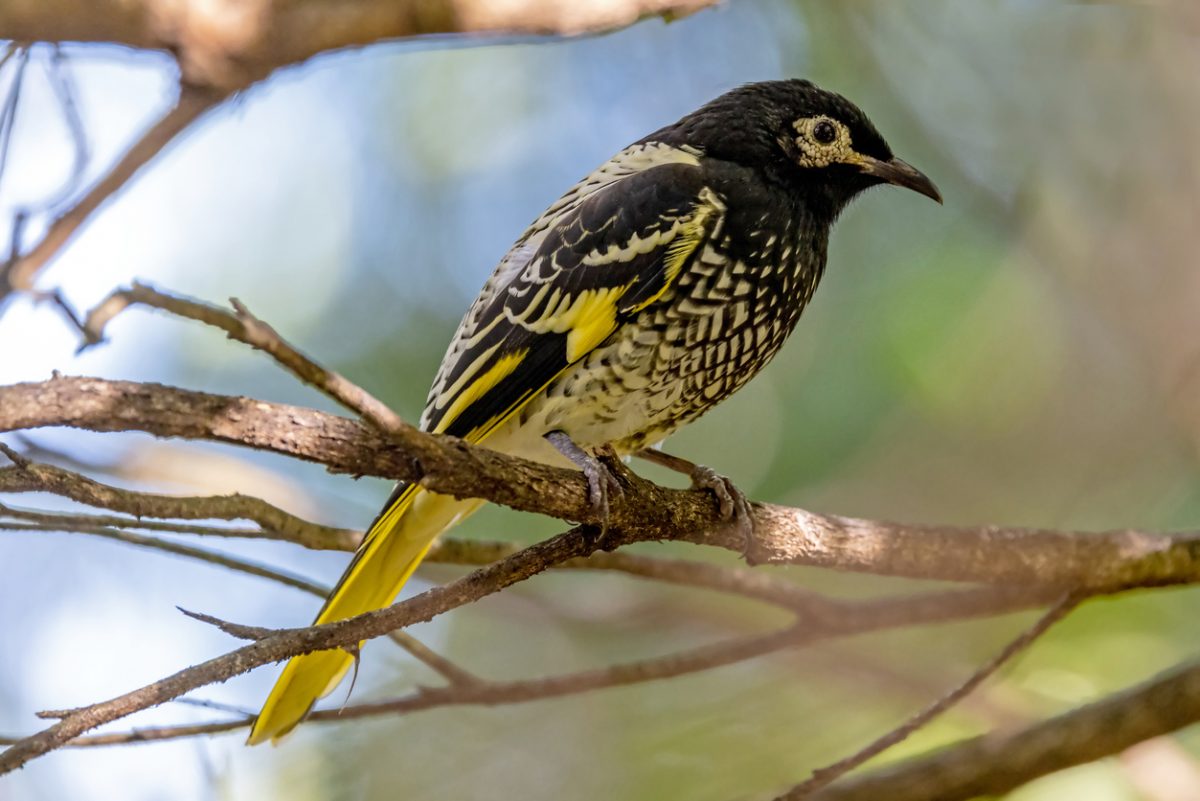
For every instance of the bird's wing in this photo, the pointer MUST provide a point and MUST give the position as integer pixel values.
(592, 261)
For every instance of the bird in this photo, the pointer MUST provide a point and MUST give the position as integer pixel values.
(650, 291)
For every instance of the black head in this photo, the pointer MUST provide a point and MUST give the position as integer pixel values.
(817, 142)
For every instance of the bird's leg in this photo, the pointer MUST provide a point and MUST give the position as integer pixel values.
(731, 501)
(602, 484)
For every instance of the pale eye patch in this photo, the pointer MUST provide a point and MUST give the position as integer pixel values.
(822, 141)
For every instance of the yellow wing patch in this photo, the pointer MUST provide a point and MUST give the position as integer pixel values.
(590, 318)
(692, 233)
(480, 386)
(587, 316)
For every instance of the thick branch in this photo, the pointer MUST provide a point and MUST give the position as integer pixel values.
(274, 523)
(232, 44)
(646, 512)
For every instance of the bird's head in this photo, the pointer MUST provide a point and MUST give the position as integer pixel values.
(818, 142)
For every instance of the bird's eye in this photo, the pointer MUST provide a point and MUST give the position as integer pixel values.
(824, 132)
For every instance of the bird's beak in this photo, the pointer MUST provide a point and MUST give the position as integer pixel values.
(900, 173)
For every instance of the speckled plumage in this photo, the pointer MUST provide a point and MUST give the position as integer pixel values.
(728, 312)
(649, 292)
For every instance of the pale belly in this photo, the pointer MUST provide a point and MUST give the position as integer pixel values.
(634, 391)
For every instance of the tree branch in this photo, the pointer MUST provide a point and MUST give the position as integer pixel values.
(39, 521)
(291, 642)
(223, 48)
(996, 763)
(28, 476)
(1094, 561)
(192, 103)
(231, 45)
(242, 326)
(819, 622)
(824, 776)
(275, 523)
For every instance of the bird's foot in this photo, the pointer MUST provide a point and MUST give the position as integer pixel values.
(603, 486)
(731, 502)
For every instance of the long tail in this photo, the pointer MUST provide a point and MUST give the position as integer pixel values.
(389, 554)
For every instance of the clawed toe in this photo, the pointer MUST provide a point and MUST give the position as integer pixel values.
(603, 485)
(731, 502)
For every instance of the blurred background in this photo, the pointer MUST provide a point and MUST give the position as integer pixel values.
(1028, 354)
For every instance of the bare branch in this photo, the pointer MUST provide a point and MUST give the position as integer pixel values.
(242, 326)
(824, 776)
(291, 642)
(191, 104)
(238, 631)
(8, 109)
(276, 523)
(42, 522)
(1101, 561)
(59, 73)
(279, 525)
(684, 572)
(54, 522)
(149, 734)
(231, 48)
(996, 763)
(819, 623)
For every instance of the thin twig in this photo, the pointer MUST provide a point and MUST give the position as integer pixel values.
(179, 549)
(8, 110)
(27, 476)
(190, 105)
(454, 674)
(68, 522)
(19, 461)
(56, 299)
(45, 522)
(242, 326)
(662, 459)
(149, 734)
(993, 764)
(220, 706)
(59, 74)
(826, 775)
(9, 49)
(753, 584)
(238, 631)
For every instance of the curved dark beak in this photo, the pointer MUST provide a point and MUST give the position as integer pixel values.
(900, 173)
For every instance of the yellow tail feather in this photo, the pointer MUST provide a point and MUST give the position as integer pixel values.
(390, 553)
